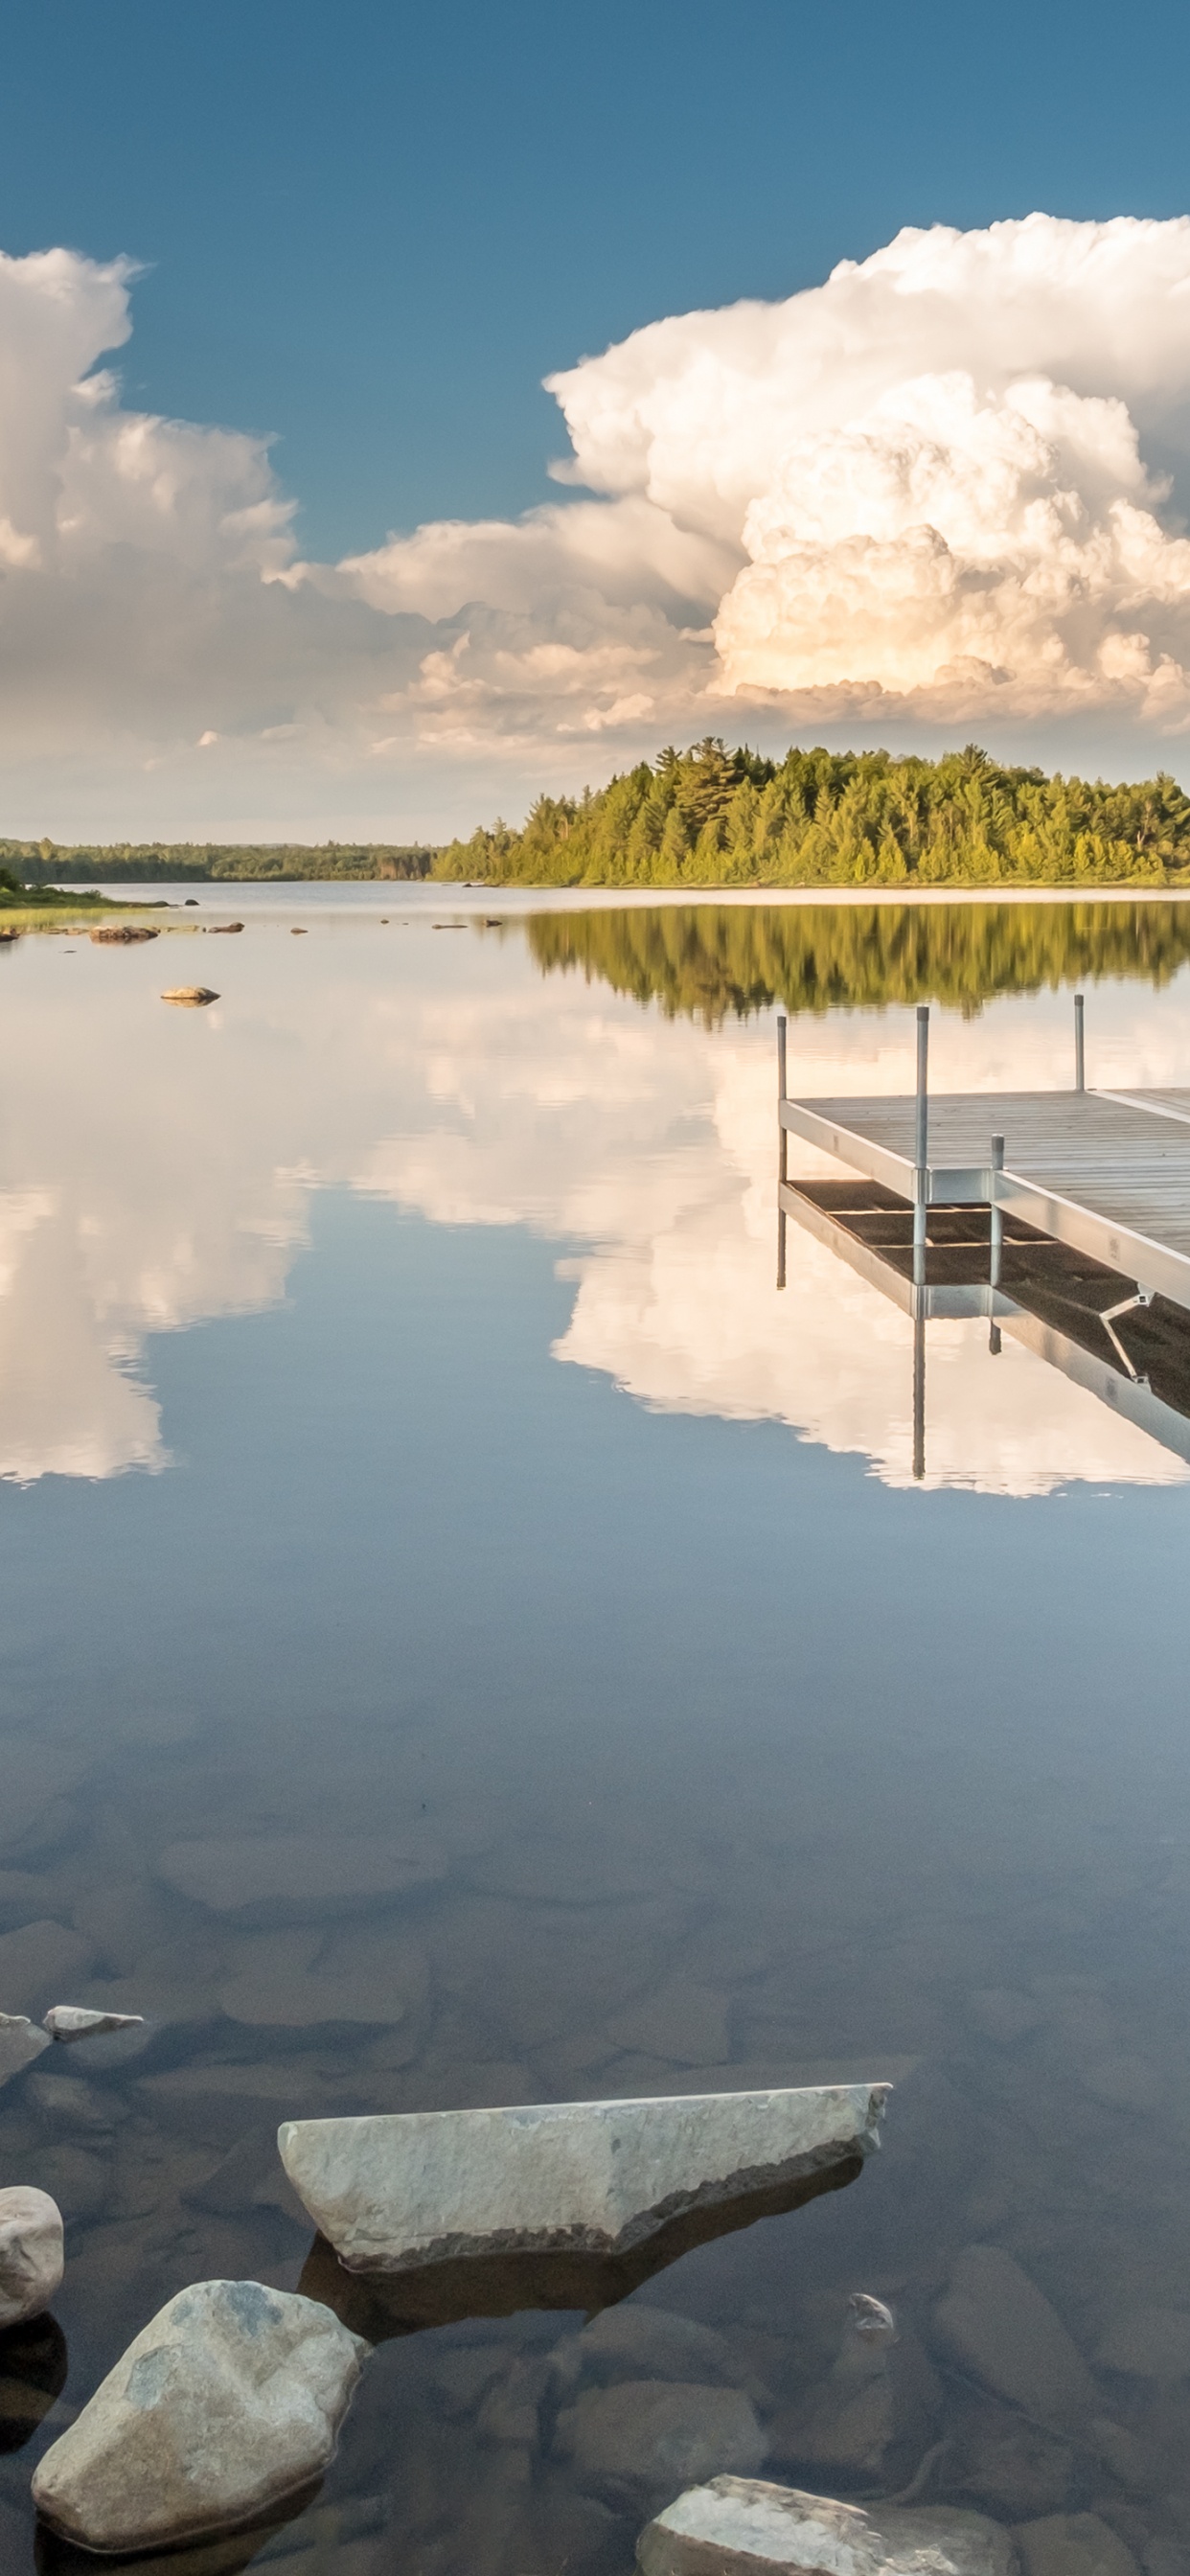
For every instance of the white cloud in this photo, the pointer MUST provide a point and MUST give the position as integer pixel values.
(947, 486)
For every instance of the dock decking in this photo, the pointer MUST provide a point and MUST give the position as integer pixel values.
(1107, 1172)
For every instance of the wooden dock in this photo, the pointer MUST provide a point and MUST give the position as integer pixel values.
(1107, 1172)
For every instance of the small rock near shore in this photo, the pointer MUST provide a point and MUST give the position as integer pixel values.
(230, 2399)
(32, 2260)
(193, 995)
(77, 2021)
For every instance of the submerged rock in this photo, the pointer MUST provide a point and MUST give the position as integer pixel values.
(636, 2442)
(746, 2527)
(1072, 2544)
(31, 2253)
(78, 2021)
(1148, 2342)
(643, 2343)
(996, 2323)
(20, 2042)
(1001, 2460)
(395, 2193)
(287, 1878)
(229, 2400)
(871, 2418)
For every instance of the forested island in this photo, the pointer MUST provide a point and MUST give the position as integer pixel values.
(45, 863)
(711, 817)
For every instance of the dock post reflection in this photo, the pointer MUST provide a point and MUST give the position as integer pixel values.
(996, 1239)
(919, 1386)
(1080, 1066)
(782, 1148)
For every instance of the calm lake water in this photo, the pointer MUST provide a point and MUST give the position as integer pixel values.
(403, 1436)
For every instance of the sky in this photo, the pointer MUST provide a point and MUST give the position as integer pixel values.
(355, 244)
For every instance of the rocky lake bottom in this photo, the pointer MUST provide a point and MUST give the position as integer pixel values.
(468, 1641)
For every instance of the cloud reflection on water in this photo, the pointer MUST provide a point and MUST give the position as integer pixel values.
(158, 1172)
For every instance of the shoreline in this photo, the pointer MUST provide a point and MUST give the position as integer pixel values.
(264, 895)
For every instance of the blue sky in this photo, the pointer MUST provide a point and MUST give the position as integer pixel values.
(372, 230)
(941, 499)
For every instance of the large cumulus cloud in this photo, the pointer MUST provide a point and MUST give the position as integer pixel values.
(947, 486)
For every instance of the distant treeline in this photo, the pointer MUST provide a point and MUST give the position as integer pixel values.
(705, 962)
(712, 817)
(40, 863)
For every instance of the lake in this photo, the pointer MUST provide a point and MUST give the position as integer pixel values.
(402, 1434)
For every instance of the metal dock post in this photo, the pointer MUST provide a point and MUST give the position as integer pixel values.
(921, 1145)
(996, 1232)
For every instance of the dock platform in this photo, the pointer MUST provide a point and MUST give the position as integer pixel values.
(1106, 1172)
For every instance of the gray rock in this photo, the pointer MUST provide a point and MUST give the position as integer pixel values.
(20, 2042)
(80, 2021)
(228, 2401)
(291, 1877)
(394, 2192)
(633, 2444)
(1009, 2464)
(746, 2527)
(1072, 2544)
(969, 2543)
(31, 2255)
(996, 2323)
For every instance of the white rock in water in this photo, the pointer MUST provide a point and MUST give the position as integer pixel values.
(395, 2191)
(229, 2400)
(20, 2042)
(31, 2255)
(76, 2021)
(747, 2527)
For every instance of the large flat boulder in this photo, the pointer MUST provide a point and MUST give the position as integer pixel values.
(747, 2527)
(228, 2401)
(628, 2184)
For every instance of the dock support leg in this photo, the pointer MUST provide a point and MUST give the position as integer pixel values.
(1080, 1070)
(921, 1145)
(996, 1216)
(782, 1147)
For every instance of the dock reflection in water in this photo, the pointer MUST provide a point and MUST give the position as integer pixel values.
(1070, 1311)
